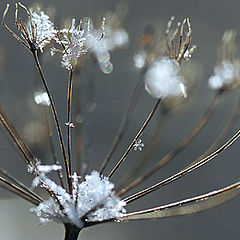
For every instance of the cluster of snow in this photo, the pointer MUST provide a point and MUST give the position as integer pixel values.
(73, 40)
(77, 40)
(223, 75)
(93, 199)
(162, 79)
(41, 97)
(40, 29)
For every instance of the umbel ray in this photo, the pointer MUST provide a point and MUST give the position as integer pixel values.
(79, 200)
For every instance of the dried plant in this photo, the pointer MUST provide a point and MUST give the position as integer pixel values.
(78, 199)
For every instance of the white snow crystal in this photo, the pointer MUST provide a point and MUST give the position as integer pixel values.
(162, 79)
(43, 29)
(93, 199)
(223, 75)
(138, 145)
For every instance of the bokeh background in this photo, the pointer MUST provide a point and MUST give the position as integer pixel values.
(101, 119)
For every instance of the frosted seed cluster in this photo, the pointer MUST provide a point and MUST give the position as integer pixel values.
(223, 75)
(93, 198)
(77, 40)
(73, 41)
(40, 29)
(162, 79)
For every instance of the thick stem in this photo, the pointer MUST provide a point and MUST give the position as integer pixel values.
(71, 232)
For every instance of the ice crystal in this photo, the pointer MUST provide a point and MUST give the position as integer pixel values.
(92, 199)
(223, 75)
(138, 145)
(162, 79)
(40, 29)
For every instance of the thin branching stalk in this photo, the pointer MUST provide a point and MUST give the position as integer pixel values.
(10, 31)
(15, 137)
(59, 131)
(48, 126)
(182, 145)
(78, 126)
(135, 138)
(147, 155)
(19, 184)
(184, 171)
(125, 120)
(226, 130)
(69, 111)
(19, 191)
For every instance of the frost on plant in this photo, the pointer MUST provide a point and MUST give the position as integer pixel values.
(40, 29)
(73, 41)
(41, 97)
(223, 75)
(79, 40)
(82, 200)
(91, 200)
(162, 79)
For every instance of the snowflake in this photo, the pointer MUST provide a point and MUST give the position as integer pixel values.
(138, 145)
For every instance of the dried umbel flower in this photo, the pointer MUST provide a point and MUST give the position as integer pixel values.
(37, 32)
(82, 200)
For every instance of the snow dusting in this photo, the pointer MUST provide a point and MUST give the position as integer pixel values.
(91, 200)
(162, 79)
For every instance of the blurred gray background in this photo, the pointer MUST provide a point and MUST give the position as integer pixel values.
(209, 21)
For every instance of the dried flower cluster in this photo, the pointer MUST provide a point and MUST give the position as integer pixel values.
(77, 199)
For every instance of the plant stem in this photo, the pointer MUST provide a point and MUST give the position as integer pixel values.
(71, 232)
(59, 132)
(69, 107)
(125, 120)
(180, 147)
(136, 137)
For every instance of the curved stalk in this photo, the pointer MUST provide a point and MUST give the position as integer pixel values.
(184, 171)
(125, 121)
(136, 137)
(59, 131)
(148, 153)
(69, 109)
(182, 145)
